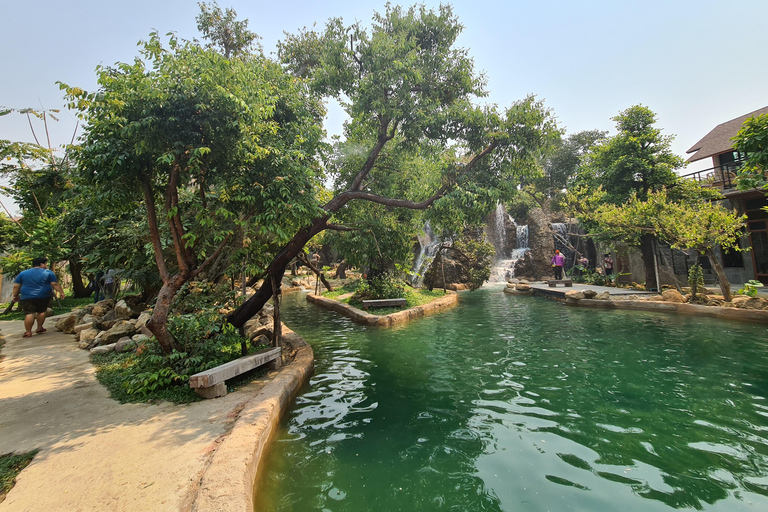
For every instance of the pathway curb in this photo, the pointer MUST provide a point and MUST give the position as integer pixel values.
(228, 484)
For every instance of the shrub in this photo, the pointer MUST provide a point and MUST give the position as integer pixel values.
(750, 288)
(384, 286)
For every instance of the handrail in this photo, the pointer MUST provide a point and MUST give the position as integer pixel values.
(721, 176)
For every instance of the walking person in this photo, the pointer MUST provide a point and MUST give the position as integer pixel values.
(558, 261)
(33, 289)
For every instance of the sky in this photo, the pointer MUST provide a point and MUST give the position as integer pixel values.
(695, 63)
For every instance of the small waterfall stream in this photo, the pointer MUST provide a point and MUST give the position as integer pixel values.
(428, 246)
(504, 267)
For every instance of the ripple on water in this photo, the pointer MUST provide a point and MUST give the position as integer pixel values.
(531, 406)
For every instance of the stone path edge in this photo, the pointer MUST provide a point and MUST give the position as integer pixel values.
(751, 315)
(361, 317)
(229, 482)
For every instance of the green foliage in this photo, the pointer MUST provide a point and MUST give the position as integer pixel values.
(752, 142)
(587, 276)
(750, 288)
(383, 286)
(695, 280)
(690, 222)
(563, 162)
(11, 464)
(636, 160)
(149, 374)
(15, 263)
(226, 34)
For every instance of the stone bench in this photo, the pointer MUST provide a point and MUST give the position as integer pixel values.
(383, 303)
(211, 383)
(554, 282)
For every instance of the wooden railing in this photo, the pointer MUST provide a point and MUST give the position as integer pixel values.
(722, 176)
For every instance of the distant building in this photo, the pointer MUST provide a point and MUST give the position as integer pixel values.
(717, 144)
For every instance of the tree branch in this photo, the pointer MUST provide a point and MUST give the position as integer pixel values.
(210, 258)
(338, 227)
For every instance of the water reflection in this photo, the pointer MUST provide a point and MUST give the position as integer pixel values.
(511, 403)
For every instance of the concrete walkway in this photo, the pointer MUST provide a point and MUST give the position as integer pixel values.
(96, 454)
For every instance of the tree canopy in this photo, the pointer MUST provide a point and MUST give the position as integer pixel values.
(227, 149)
(637, 159)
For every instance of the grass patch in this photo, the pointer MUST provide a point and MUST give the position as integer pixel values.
(11, 464)
(67, 304)
(413, 297)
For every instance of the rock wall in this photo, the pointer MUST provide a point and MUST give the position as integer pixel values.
(536, 263)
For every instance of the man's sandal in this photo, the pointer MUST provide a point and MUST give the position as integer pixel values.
(41, 331)
(27, 335)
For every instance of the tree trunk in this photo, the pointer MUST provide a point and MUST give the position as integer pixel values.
(725, 286)
(158, 324)
(646, 247)
(275, 273)
(75, 269)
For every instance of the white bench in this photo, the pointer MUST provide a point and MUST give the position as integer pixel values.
(211, 383)
(383, 303)
(554, 282)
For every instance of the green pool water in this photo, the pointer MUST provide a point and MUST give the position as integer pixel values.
(523, 404)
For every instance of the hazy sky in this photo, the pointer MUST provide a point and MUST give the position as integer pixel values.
(695, 63)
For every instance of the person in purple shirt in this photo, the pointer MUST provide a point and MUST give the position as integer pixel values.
(557, 264)
(33, 289)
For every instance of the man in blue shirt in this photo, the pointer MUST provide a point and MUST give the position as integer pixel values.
(33, 289)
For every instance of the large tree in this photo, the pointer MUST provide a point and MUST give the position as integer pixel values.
(635, 161)
(686, 217)
(217, 150)
(405, 86)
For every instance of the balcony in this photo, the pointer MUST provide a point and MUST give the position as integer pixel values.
(722, 177)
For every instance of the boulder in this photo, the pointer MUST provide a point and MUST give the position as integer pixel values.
(574, 294)
(672, 295)
(103, 349)
(523, 287)
(88, 338)
(122, 310)
(67, 324)
(79, 314)
(261, 340)
(125, 344)
(102, 307)
(88, 319)
(143, 319)
(140, 338)
(119, 330)
(590, 294)
(83, 327)
(744, 302)
(106, 324)
(260, 331)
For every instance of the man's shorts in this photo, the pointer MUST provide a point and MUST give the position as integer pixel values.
(35, 305)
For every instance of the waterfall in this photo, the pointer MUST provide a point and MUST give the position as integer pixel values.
(497, 231)
(504, 268)
(428, 245)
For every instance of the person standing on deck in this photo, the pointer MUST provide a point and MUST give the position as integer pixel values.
(558, 261)
(608, 263)
(33, 289)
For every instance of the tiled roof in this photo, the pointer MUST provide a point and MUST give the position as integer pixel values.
(719, 140)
